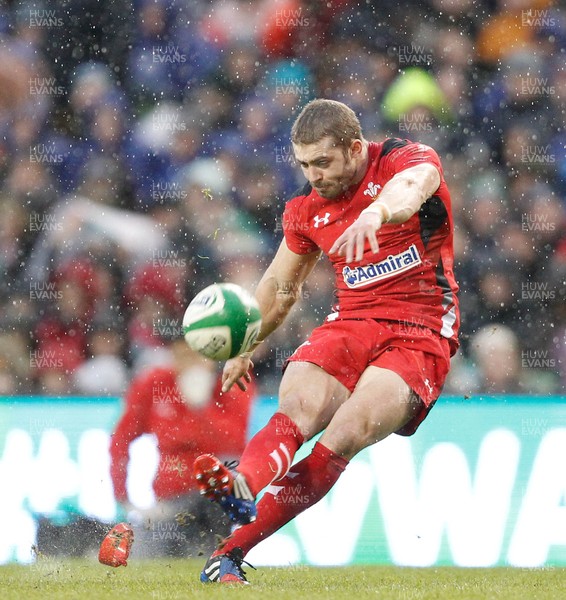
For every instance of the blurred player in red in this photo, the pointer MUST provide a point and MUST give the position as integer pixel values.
(382, 213)
(184, 408)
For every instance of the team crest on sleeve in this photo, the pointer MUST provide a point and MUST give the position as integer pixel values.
(372, 190)
(388, 267)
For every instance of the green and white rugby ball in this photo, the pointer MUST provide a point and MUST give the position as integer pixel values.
(222, 321)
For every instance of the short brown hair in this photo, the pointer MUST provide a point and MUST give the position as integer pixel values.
(321, 118)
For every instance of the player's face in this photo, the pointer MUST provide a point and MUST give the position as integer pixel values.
(330, 169)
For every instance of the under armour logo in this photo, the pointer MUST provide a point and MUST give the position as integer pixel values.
(372, 189)
(324, 220)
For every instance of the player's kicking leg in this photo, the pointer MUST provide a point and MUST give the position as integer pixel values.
(309, 397)
(362, 420)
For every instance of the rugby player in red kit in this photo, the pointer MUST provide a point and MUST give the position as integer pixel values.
(382, 214)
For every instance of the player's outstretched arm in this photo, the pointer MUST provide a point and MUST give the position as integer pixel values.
(401, 197)
(278, 290)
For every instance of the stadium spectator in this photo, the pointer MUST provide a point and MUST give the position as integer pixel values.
(104, 372)
(155, 298)
(69, 300)
(155, 59)
(504, 367)
(511, 28)
(238, 74)
(85, 32)
(231, 22)
(15, 240)
(15, 368)
(183, 407)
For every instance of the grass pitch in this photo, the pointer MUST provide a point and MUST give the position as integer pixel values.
(178, 579)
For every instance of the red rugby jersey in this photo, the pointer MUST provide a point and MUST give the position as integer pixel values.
(411, 279)
(153, 404)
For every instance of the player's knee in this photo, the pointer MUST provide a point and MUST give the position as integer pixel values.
(364, 421)
(349, 438)
(361, 434)
(306, 411)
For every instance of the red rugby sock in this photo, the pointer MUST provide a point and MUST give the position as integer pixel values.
(270, 453)
(304, 485)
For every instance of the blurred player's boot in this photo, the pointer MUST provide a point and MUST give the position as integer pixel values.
(225, 568)
(115, 547)
(219, 484)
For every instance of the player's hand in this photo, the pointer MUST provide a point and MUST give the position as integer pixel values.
(237, 371)
(352, 242)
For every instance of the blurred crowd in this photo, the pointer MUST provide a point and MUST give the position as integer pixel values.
(145, 153)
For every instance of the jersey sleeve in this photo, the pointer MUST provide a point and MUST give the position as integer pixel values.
(223, 424)
(295, 229)
(130, 426)
(398, 155)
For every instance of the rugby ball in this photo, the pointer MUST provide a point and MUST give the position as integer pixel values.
(222, 321)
